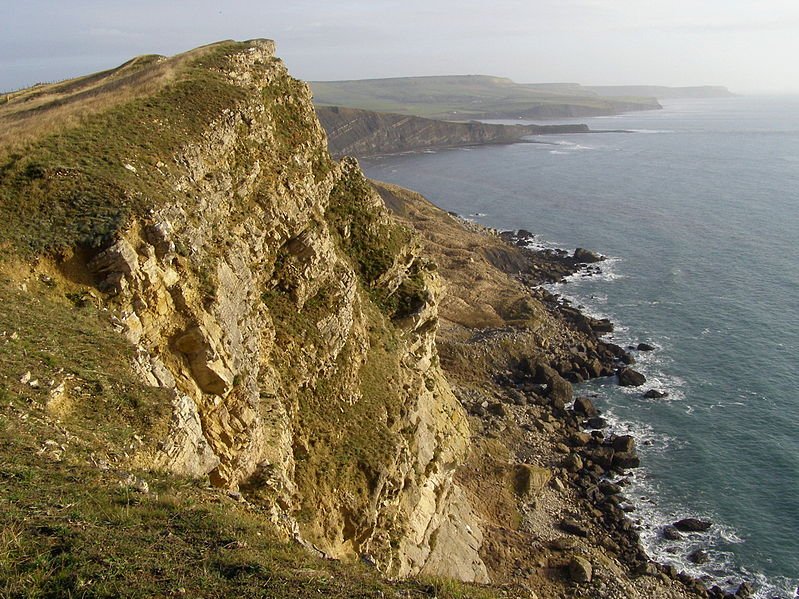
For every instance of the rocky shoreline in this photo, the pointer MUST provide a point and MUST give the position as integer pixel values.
(548, 480)
(594, 462)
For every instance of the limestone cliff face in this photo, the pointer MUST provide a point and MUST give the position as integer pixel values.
(293, 323)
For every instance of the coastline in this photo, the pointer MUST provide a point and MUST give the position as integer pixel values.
(703, 414)
(537, 409)
(600, 491)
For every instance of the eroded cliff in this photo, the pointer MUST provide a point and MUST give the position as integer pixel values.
(361, 133)
(266, 289)
(194, 292)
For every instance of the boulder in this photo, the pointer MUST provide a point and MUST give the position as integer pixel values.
(580, 569)
(630, 378)
(594, 367)
(498, 409)
(587, 256)
(698, 556)
(597, 422)
(573, 527)
(655, 394)
(609, 488)
(602, 456)
(671, 533)
(601, 326)
(580, 439)
(645, 347)
(573, 463)
(745, 590)
(530, 480)
(558, 389)
(585, 407)
(623, 459)
(624, 443)
(692, 525)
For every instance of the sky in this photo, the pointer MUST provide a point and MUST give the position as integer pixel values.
(749, 46)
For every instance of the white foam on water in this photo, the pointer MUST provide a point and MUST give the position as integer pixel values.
(651, 514)
(651, 130)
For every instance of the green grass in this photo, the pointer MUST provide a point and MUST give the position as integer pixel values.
(372, 241)
(461, 97)
(56, 341)
(72, 188)
(71, 530)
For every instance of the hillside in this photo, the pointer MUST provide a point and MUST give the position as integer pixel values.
(469, 97)
(232, 366)
(361, 133)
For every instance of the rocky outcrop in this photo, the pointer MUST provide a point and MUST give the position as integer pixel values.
(301, 336)
(293, 324)
(630, 378)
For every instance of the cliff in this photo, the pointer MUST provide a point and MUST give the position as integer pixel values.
(362, 133)
(265, 292)
(229, 369)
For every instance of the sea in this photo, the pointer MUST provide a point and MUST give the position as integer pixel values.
(696, 207)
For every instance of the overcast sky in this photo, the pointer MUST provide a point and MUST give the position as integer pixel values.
(749, 46)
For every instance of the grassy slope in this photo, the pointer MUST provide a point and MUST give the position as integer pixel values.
(460, 96)
(64, 183)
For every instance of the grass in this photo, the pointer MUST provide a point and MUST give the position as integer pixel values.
(57, 342)
(73, 187)
(461, 97)
(70, 530)
(374, 243)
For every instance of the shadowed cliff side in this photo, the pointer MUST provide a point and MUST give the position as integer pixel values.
(361, 133)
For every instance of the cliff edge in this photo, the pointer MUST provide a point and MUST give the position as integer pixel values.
(228, 368)
(362, 133)
(265, 292)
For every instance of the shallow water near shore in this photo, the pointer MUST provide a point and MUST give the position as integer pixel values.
(698, 210)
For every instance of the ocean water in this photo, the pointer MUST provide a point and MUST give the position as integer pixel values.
(698, 211)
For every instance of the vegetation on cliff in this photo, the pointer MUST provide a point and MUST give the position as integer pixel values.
(193, 288)
(221, 370)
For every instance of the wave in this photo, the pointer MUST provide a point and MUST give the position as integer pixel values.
(652, 511)
(650, 130)
(568, 147)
